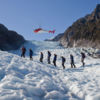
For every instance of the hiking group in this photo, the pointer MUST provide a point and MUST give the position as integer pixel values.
(23, 51)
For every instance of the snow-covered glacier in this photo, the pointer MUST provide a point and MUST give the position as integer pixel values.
(22, 79)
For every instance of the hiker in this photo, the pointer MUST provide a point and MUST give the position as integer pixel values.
(23, 49)
(54, 59)
(72, 61)
(49, 55)
(41, 57)
(82, 58)
(30, 54)
(63, 61)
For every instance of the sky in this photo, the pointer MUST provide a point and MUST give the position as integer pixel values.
(23, 16)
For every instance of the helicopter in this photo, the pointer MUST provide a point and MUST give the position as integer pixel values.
(40, 30)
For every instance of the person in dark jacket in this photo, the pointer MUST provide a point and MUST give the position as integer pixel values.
(41, 57)
(72, 61)
(30, 54)
(54, 59)
(49, 55)
(63, 61)
(82, 58)
(23, 49)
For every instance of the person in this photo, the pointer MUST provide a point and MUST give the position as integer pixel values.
(23, 49)
(72, 61)
(49, 55)
(63, 61)
(82, 58)
(30, 54)
(54, 59)
(41, 57)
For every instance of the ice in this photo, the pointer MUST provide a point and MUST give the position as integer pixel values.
(22, 79)
(54, 95)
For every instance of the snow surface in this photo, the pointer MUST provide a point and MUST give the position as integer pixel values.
(22, 79)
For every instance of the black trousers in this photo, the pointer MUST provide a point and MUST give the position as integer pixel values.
(82, 60)
(54, 62)
(49, 60)
(31, 57)
(41, 59)
(23, 54)
(73, 65)
(63, 65)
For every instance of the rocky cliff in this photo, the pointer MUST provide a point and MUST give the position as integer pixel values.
(84, 32)
(9, 40)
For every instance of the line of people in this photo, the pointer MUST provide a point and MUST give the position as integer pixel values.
(23, 49)
(63, 59)
(54, 59)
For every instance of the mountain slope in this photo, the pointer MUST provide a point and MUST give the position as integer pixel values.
(9, 40)
(22, 79)
(84, 32)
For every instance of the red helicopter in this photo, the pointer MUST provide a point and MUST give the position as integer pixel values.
(40, 30)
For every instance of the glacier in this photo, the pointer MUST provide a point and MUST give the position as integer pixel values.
(22, 79)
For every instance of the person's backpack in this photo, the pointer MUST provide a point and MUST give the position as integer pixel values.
(63, 59)
(83, 55)
(31, 52)
(23, 49)
(41, 55)
(49, 54)
(55, 57)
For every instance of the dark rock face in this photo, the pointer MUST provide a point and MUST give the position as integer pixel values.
(9, 40)
(84, 32)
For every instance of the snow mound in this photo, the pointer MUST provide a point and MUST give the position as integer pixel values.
(22, 79)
